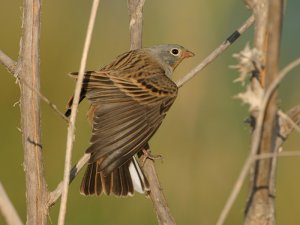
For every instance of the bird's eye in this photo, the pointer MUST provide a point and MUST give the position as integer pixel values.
(175, 51)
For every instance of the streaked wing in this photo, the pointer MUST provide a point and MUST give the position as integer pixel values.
(135, 74)
(106, 88)
(120, 131)
(129, 108)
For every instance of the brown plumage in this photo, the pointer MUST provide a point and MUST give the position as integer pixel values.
(129, 99)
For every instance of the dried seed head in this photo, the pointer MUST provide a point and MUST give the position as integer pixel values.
(249, 62)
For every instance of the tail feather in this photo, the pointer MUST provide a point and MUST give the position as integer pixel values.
(123, 181)
(140, 183)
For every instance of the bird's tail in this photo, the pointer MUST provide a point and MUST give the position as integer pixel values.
(122, 182)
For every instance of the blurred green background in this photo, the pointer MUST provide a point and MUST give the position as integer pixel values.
(203, 139)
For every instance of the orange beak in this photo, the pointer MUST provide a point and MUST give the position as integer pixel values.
(187, 54)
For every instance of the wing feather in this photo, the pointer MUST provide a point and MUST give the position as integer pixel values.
(130, 103)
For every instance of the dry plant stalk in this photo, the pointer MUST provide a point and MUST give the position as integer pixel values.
(164, 216)
(28, 70)
(260, 207)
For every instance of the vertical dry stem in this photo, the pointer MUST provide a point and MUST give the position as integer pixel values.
(28, 64)
(135, 8)
(260, 208)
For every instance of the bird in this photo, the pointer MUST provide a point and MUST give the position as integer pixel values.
(129, 99)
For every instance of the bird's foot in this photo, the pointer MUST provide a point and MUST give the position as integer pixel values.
(147, 155)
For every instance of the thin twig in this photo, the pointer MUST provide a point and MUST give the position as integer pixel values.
(8, 62)
(244, 171)
(54, 195)
(71, 127)
(279, 154)
(11, 65)
(286, 127)
(214, 54)
(236, 190)
(7, 209)
(289, 120)
(46, 100)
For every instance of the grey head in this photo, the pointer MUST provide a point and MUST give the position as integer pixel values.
(170, 55)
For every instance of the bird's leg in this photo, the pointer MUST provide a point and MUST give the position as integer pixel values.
(147, 155)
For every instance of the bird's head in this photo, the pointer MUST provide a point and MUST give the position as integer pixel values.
(170, 55)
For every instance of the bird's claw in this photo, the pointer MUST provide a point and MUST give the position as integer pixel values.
(147, 155)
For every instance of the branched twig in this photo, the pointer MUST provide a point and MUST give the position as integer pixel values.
(7, 209)
(248, 163)
(213, 55)
(71, 127)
